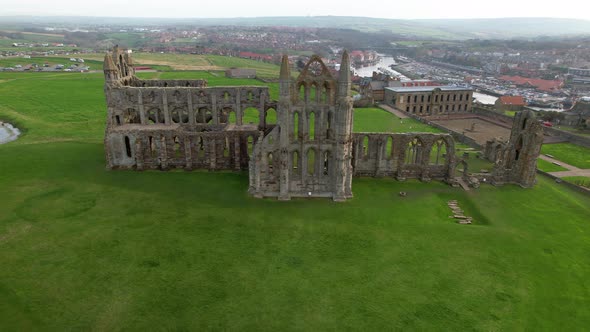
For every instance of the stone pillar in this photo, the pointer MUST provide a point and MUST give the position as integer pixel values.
(191, 111)
(238, 108)
(167, 119)
(237, 154)
(163, 152)
(212, 154)
(138, 153)
(188, 153)
(214, 108)
(142, 116)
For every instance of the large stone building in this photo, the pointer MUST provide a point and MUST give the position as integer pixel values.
(311, 150)
(430, 100)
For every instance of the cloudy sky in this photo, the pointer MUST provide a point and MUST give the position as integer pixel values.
(405, 9)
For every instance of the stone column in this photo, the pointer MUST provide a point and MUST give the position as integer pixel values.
(167, 119)
(191, 111)
(142, 116)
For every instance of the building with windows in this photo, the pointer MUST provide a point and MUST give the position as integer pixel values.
(430, 100)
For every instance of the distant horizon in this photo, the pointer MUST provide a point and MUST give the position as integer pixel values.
(291, 16)
(228, 9)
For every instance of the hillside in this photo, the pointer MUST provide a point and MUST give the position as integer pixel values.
(432, 28)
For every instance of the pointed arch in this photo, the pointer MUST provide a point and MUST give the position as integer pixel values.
(311, 161)
(389, 147)
(296, 126)
(518, 148)
(295, 162)
(311, 126)
(365, 145)
(128, 146)
(203, 115)
(326, 162)
(270, 116)
(438, 152)
(251, 115)
(413, 151)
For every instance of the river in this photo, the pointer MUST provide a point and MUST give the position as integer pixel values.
(8, 133)
(384, 62)
(484, 99)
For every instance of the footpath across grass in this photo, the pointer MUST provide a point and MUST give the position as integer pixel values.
(575, 155)
(546, 166)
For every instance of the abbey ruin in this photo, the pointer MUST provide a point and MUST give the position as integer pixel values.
(310, 150)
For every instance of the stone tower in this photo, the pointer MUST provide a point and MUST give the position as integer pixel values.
(117, 65)
(516, 161)
(309, 152)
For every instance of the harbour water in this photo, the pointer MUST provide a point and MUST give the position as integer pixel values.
(8, 133)
(484, 98)
(384, 62)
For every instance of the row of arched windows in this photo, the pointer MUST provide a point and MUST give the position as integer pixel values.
(413, 151)
(202, 115)
(312, 129)
(315, 92)
(315, 163)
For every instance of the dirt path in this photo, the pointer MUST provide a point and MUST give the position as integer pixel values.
(393, 111)
(571, 170)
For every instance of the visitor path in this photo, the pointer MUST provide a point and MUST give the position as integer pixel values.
(571, 170)
(393, 111)
(8, 133)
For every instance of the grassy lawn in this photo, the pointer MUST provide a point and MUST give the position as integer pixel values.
(510, 113)
(199, 62)
(52, 61)
(546, 166)
(378, 120)
(583, 181)
(89, 249)
(575, 155)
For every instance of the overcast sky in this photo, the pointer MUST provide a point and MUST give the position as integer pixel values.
(404, 9)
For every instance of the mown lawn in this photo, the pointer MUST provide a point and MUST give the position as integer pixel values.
(546, 166)
(83, 248)
(575, 155)
(583, 181)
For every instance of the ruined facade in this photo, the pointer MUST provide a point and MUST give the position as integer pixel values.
(302, 145)
(162, 124)
(515, 161)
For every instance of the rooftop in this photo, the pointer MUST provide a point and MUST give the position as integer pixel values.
(428, 88)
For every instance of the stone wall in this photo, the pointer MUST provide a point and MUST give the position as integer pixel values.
(422, 156)
(572, 138)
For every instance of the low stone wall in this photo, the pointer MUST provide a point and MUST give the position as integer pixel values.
(565, 183)
(423, 156)
(572, 138)
(489, 111)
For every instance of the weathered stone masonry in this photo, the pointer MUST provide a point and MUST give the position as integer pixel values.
(311, 151)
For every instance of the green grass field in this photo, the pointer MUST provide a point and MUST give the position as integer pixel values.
(199, 62)
(575, 155)
(546, 166)
(583, 181)
(83, 248)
